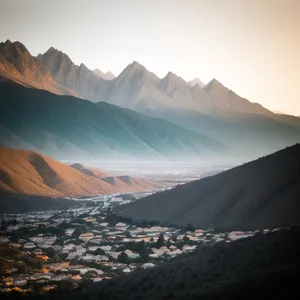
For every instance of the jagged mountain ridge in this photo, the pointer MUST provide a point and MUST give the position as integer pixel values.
(18, 64)
(135, 88)
(79, 79)
(213, 111)
(195, 82)
(104, 75)
(260, 194)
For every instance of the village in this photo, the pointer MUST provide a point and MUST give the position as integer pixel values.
(61, 250)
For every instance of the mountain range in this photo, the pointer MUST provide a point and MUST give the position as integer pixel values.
(135, 88)
(211, 111)
(69, 128)
(264, 193)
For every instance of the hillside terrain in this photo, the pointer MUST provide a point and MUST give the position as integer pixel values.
(12, 203)
(66, 127)
(260, 194)
(123, 183)
(253, 135)
(35, 181)
(29, 173)
(96, 172)
(261, 267)
(18, 64)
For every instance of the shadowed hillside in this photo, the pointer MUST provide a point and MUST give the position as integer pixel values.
(262, 193)
(259, 267)
(13, 203)
(69, 128)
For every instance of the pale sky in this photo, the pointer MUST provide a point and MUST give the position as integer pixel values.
(251, 46)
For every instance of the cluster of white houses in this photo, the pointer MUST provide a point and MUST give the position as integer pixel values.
(90, 246)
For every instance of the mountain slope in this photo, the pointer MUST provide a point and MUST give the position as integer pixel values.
(31, 181)
(83, 82)
(70, 128)
(90, 171)
(29, 173)
(128, 183)
(107, 76)
(196, 81)
(227, 102)
(18, 64)
(122, 183)
(263, 193)
(253, 134)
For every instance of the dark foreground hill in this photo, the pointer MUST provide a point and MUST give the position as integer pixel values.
(259, 267)
(260, 194)
(13, 203)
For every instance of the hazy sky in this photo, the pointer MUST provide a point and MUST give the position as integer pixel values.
(251, 46)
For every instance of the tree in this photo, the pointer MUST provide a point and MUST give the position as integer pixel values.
(3, 267)
(64, 286)
(123, 258)
(168, 243)
(190, 227)
(186, 238)
(174, 238)
(141, 246)
(144, 257)
(51, 252)
(99, 251)
(64, 225)
(161, 241)
(127, 233)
